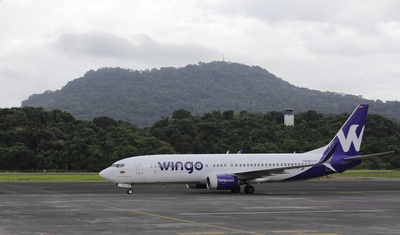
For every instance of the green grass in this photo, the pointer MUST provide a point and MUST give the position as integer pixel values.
(369, 173)
(49, 177)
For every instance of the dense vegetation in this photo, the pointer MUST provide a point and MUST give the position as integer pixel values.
(31, 138)
(143, 97)
(34, 139)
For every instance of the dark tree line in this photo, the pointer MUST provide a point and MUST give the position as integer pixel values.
(34, 139)
(31, 138)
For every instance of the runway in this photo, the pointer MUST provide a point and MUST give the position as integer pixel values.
(369, 206)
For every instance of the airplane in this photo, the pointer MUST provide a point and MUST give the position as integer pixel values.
(231, 171)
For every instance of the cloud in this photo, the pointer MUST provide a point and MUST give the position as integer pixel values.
(337, 45)
(138, 47)
(95, 45)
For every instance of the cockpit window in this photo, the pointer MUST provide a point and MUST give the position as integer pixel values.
(118, 165)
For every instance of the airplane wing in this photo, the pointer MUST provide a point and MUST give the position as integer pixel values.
(268, 172)
(351, 159)
(281, 170)
(326, 157)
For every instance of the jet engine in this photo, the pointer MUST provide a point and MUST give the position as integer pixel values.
(222, 182)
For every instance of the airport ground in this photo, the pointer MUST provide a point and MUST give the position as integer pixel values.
(368, 206)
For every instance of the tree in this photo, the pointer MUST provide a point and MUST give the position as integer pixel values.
(18, 157)
(181, 114)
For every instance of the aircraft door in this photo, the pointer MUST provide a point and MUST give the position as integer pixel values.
(139, 166)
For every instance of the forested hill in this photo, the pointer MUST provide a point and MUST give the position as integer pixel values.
(143, 97)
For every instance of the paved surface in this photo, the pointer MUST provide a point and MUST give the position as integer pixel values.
(312, 207)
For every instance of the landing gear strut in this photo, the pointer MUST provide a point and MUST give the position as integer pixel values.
(249, 189)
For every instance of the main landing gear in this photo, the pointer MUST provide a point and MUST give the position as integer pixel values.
(248, 189)
(129, 191)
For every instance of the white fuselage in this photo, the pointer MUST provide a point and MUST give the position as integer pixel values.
(194, 168)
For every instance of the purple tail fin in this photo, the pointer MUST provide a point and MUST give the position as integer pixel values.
(348, 139)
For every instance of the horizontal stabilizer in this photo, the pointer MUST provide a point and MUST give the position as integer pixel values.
(350, 159)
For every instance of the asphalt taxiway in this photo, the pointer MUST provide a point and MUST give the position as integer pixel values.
(369, 206)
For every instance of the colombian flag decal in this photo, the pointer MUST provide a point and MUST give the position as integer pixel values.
(122, 171)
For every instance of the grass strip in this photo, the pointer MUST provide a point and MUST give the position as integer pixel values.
(49, 177)
(369, 174)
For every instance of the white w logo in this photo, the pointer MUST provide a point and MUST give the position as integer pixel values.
(351, 138)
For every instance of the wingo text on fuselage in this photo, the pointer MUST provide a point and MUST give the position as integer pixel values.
(176, 166)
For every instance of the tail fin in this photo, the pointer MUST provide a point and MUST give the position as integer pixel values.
(349, 137)
(347, 141)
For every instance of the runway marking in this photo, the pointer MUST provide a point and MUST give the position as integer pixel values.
(202, 233)
(293, 231)
(278, 212)
(350, 193)
(310, 232)
(176, 219)
(283, 207)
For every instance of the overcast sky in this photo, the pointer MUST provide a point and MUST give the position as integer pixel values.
(346, 46)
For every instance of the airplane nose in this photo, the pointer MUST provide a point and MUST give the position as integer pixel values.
(105, 174)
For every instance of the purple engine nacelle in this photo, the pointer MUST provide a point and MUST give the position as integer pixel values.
(222, 182)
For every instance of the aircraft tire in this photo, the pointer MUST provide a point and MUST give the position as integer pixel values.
(236, 189)
(129, 191)
(249, 189)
